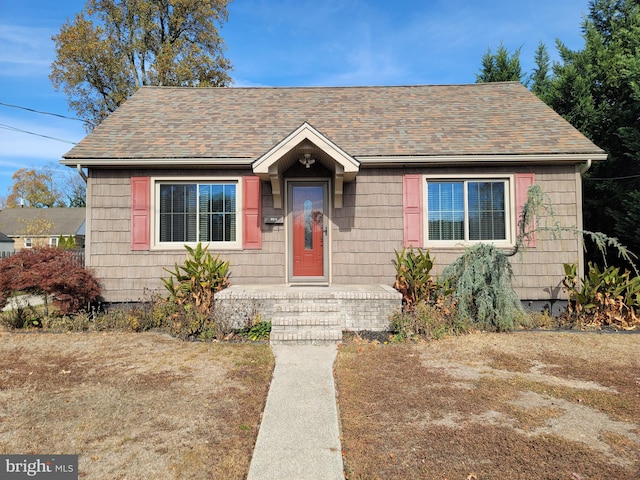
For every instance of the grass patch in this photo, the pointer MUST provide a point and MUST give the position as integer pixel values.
(134, 405)
(522, 405)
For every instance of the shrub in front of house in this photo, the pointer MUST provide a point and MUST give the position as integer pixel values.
(428, 320)
(482, 288)
(605, 297)
(50, 273)
(413, 276)
(190, 308)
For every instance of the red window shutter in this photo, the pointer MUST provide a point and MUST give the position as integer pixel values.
(412, 210)
(523, 182)
(252, 217)
(140, 211)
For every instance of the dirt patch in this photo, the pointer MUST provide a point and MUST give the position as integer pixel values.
(133, 405)
(493, 406)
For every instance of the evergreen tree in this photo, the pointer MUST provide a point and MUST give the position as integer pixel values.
(540, 79)
(501, 66)
(597, 89)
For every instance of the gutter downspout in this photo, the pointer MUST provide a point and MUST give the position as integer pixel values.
(84, 175)
(583, 168)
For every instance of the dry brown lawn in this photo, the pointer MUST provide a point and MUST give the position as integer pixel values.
(492, 406)
(134, 406)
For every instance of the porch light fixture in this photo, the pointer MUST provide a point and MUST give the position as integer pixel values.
(307, 161)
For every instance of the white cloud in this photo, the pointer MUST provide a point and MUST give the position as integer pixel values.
(25, 50)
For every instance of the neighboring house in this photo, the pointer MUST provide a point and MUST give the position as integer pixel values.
(31, 227)
(299, 186)
(6, 246)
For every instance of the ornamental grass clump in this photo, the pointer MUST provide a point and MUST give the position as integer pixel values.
(482, 288)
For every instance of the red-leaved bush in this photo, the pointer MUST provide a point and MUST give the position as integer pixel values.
(53, 272)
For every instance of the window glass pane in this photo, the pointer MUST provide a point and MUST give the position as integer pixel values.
(217, 213)
(178, 213)
(230, 227)
(486, 210)
(198, 212)
(230, 199)
(445, 210)
(308, 225)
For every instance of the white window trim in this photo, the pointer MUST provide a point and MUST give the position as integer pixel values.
(213, 246)
(510, 209)
(53, 241)
(28, 242)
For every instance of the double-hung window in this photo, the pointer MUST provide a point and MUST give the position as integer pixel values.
(197, 212)
(467, 210)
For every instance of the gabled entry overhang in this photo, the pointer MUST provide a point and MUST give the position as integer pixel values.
(270, 166)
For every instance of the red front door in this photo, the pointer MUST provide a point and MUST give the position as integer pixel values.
(308, 232)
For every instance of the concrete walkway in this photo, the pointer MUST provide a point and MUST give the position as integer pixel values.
(299, 434)
(23, 301)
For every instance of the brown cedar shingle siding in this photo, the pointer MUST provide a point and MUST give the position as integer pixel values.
(364, 234)
(491, 118)
(125, 273)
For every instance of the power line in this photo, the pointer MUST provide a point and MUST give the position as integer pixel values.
(45, 113)
(614, 178)
(14, 129)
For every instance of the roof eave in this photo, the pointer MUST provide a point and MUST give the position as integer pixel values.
(158, 162)
(377, 161)
(448, 160)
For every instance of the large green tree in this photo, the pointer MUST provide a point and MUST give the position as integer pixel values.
(113, 47)
(541, 75)
(597, 89)
(501, 66)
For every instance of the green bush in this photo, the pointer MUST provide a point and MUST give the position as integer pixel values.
(483, 290)
(21, 315)
(259, 330)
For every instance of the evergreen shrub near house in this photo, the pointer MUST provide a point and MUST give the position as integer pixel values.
(67, 243)
(482, 288)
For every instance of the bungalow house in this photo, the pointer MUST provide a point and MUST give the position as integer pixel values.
(301, 187)
(31, 227)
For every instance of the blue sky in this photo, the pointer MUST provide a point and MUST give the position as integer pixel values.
(286, 43)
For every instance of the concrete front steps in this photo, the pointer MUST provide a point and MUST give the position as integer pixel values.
(316, 315)
(304, 322)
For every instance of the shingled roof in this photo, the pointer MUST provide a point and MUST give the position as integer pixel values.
(366, 122)
(60, 221)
